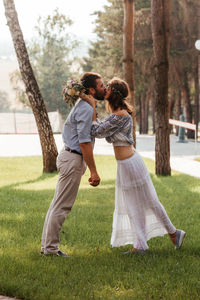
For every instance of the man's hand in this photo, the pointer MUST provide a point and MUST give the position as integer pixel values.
(87, 151)
(94, 179)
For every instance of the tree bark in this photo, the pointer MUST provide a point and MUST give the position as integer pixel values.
(178, 108)
(197, 79)
(140, 113)
(128, 54)
(160, 32)
(171, 108)
(144, 113)
(147, 111)
(49, 149)
(187, 102)
(153, 113)
(196, 100)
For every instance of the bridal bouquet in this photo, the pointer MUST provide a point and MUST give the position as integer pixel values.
(71, 91)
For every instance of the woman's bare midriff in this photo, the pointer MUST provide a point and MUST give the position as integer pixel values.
(123, 152)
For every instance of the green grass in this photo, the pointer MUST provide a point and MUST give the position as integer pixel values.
(94, 270)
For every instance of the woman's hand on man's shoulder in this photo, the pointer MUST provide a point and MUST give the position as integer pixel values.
(89, 99)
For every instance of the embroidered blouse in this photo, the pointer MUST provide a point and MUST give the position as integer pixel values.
(115, 129)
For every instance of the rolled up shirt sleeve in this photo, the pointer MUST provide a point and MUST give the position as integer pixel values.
(84, 123)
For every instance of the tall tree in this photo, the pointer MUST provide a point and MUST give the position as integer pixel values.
(49, 53)
(128, 61)
(105, 54)
(160, 33)
(183, 57)
(50, 57)
(197, 77)
(47, 141)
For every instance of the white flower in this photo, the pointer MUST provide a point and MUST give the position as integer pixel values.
(69, 84)
(72, 90)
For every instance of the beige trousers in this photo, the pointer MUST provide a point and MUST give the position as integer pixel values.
(71, 167)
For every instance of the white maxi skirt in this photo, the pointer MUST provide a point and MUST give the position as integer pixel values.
(138, 214)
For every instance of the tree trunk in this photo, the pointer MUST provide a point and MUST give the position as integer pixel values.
(197, 80)
(160, 33)
(140, 113)
(188, 107)
(171, 105)
(144, 112)
(176, 68)
(196, 101)
(49, 149)
(153, 113)
(171, 109)
(147, 111)
(128, 50)
(178, 108)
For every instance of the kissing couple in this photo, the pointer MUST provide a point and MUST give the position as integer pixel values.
(138, 214)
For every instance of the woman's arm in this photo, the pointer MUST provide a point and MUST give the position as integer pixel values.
(106, 128)
(103, 129)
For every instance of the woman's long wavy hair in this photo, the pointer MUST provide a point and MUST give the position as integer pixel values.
(118, 95)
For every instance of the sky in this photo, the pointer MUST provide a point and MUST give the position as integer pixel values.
(29, 11)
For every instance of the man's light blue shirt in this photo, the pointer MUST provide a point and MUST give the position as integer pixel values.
(77, 128)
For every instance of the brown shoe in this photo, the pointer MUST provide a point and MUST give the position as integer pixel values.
(173, 237)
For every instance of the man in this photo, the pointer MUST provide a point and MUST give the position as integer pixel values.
(71, 164)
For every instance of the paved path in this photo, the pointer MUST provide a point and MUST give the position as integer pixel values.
(7, 298)
(182, 154)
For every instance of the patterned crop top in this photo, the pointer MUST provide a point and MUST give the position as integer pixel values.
(115, 129)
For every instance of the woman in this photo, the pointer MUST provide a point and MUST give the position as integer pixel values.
(138, 214)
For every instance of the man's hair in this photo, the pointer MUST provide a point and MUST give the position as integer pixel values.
(88, 80)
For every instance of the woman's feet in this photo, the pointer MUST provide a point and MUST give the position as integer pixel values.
(177, 238)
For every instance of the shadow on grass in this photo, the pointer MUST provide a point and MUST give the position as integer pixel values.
(95, 270)
(42, 177)
(90, 222)
(103, 273)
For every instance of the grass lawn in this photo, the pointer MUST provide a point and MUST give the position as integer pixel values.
(94, 270)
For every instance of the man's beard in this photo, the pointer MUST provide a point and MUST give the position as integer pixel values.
(99, 96)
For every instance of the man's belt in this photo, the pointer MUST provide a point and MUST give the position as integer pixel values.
(72, 151)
